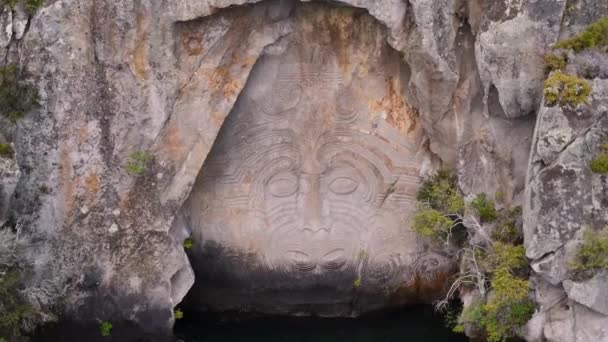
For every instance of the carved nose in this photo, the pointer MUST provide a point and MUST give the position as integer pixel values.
(310, 203)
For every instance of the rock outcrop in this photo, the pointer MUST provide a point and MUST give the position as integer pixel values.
(402, 87)
(564, 197)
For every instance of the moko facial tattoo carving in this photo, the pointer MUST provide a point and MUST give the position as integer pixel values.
(312, 179)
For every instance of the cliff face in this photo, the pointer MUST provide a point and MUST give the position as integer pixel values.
(457, 82)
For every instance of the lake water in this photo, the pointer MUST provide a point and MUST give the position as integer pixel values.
(415, 325)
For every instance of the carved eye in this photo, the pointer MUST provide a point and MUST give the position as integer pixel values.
(283, 186)
(343, 186)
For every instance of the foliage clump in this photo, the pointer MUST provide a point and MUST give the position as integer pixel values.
(16, 97)
(179, 314)
(554, 62)
(137, 163)
(6, 151)
(508, 307)
(30, 5)
(599, 164)
(188, 243)
(593, 252)
(13, 309)
(493, 262)
(565, 90)
(440, 205)
(595, 35)
(105, 328)
(484, 208)
(441, 193)
(505, 230)
(431, 223)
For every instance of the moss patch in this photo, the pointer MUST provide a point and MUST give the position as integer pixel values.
(599, 164)
(16, 97)
(137, 163)
(6, 151)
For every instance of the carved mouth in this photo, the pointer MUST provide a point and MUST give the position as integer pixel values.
(310, 231)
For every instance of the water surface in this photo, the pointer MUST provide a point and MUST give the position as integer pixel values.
(418, 324)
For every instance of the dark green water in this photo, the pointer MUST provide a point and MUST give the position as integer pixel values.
(416, 325)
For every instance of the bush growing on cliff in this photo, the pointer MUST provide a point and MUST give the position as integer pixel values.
(484, 207)
(16, 97)
(566, 90)
(13, 309)
(105, 328)
(431, 224)
(179, 314)
(505, 230)
(188, 244)
(507, 307)
(594, 35)
(440, 207)
(593, 252)
(554, 62)
(494, 266)
(441, 193)
(30, 5)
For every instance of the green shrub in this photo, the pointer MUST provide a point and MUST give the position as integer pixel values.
(505, 230)
(6, 151)
(16, 97)
(188, 244)
(431, 223)
(506, 310)
(599, 164)
(594, 35)
(13, 309)
(566, 90)
(33, 5)
(30, 5)
(505, 256)
(593, 252)
(137, 163)
(179, 314)
(555, 62)
(105, 329)
(441, 193)
(484, 207)
(508, 307)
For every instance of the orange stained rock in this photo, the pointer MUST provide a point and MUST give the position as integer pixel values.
(139, 58)
(92, 182)
(173, 145)
(67, 178)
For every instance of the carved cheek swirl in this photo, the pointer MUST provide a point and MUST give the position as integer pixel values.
(429, 265)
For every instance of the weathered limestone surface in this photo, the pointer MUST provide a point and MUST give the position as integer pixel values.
(563, 197)
(405, 87)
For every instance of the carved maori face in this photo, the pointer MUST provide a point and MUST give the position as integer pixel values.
(315, 168)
